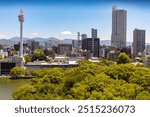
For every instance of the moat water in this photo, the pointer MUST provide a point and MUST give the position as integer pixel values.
(8, 86)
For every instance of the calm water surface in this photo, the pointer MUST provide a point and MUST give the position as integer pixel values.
(7, 87)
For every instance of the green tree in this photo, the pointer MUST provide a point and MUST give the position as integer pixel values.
(121, 71)
(26, 92)
(105, 62)
(38, 54)
(88, 81)
(123, 58)
(144, 95)
(18, 72)
(14, 52)
(141, 59)
(27, 58)
(141, 76)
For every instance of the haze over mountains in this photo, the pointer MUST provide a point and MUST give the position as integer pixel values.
(15, 40)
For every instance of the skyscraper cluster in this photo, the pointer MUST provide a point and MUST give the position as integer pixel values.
(92, 44)
(118, 37)
(119, 32)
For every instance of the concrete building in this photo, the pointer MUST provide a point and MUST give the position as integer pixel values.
(86, 54)
(6, 66)
(17, 46)
(1, 47)
(83, 36)
(126, 50)
(17, 60)
(147, 50)
(48, 45)
(119, 27)
(29, 42)
(112, 53)
(55, 49)
(94, 33)
(102, 52)
(87, 45)
(41, 65)
(64, 49)
(75, 43)
(34, 45)
(138, 42)
(93, 36)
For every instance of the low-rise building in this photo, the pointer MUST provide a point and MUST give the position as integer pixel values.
(64, 49)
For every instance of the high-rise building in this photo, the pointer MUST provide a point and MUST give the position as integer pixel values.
(75, 43)
(17, 46)
(138, 42)
(83, 36)
(94, 36)
(147, 50)
(33, 45)
(119, 27)
(48, 45)
(94, 33)
(78, 40)
(88, 46)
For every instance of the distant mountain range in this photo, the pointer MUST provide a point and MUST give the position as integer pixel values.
(108, 42)
(15, 40)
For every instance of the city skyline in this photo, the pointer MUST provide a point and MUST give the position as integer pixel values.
(64, 18)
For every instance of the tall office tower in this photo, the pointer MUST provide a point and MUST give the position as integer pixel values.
(21, 20)
(34, 45)
(87, 45)
(119, 27)
(138, 42)
(83, 36)
(78, 40)
(94, 33)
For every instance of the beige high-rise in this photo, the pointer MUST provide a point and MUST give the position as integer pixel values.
(119, 27)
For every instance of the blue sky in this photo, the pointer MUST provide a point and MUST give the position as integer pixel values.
(64, 18)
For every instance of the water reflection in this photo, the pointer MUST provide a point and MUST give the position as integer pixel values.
(7, 87)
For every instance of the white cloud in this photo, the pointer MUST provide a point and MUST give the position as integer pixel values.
(66, 33)
(35, 34)
(2, 36)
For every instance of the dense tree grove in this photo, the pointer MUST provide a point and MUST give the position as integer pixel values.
(123, 58)
(89, 81)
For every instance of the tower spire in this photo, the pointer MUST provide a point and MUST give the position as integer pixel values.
(21, 20)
